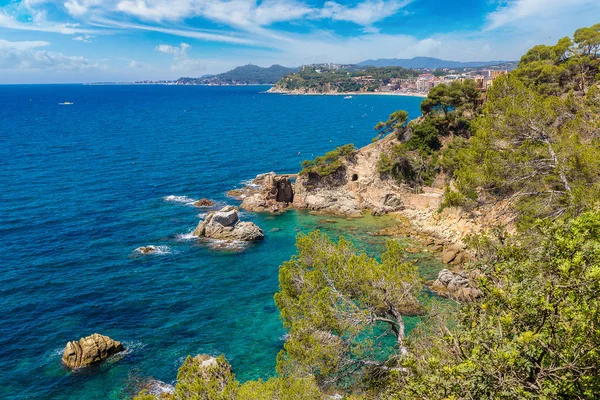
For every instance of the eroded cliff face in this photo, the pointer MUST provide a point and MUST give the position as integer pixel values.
(358, 186)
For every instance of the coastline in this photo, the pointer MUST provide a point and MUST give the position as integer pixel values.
(421, 95)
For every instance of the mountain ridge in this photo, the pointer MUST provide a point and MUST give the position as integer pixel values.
(429, 62)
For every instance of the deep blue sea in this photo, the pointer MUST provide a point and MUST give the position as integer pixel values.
(83, 185)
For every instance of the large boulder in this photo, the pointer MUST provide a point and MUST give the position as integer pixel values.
(453, 254)
(458, 286)
(90, 350)
(268, 192)
(226, 225)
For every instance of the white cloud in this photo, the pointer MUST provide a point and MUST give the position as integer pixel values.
(84, 38)
(518, 10)
(176, 51)
(157, 10)
(27, 55)
(366, 13)
(248, 13)
(10, 22)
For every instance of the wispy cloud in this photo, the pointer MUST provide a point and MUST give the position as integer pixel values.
(518, 10)
(27, 55)
(366, 13)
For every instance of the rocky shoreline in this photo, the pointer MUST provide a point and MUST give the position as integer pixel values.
(297, 92)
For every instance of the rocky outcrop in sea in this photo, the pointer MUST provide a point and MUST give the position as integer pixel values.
(90, 350)
(268, 193)
(225, 224)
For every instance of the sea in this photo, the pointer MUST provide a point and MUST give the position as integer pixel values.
(82, 185)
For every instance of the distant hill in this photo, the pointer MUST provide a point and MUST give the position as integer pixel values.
(244, 75)
(431, 63)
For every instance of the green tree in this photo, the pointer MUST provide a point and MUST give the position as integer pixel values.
(395, 123)
(344, 311)
(457, 96)
(205, 378)
(534, 151)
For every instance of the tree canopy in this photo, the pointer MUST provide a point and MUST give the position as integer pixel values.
(344, 311)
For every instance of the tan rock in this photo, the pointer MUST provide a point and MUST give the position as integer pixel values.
(204, 203)
(225, 225)
(90, 350)
(458, 286)
(268, 193)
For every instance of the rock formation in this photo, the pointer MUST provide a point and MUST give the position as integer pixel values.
(357, 185)
(204, 203)
(453, 254)
(267, 193)
(459, 286)
(225, 224)
(90, 350)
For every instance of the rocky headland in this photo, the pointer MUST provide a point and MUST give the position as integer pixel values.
(357, 187)
(267, 193)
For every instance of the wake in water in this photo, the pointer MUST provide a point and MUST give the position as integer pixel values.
(185, 237)
(188, 201)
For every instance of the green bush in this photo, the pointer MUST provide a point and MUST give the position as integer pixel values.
(329, 163)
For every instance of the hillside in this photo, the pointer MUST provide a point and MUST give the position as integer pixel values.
(245, 75)
(432, 63)
(319, 79)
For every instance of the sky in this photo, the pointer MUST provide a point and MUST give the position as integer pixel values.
(61, 41)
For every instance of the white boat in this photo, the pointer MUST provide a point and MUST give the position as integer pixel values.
(66, 103)
(348, 97)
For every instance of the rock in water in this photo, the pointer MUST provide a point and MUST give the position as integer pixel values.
(269, 193)
(90, 350)
(226, 225)
(204, 203)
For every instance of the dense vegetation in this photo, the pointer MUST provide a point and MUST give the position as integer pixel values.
(324, 80)
(329, 163)
(448, 112)
(244, 75)
(534, 333)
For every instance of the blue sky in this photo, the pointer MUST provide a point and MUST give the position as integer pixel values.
(92, 40)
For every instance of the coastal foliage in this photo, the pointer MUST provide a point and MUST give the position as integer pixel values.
(207, 378)
(540, 153)
(571, 64)
(344, 311)
(456, 97)
(448, 112)
(534, 333)
(329, 163)
(395, 123)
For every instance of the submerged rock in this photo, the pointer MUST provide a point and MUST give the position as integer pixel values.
(146, 249)
(150, 249)
(226, 225)
(204, 203)
(458, 286)
(90, 350)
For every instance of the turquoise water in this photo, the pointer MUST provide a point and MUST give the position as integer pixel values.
(83, 185)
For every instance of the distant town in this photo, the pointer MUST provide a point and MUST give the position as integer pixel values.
(350, 78)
